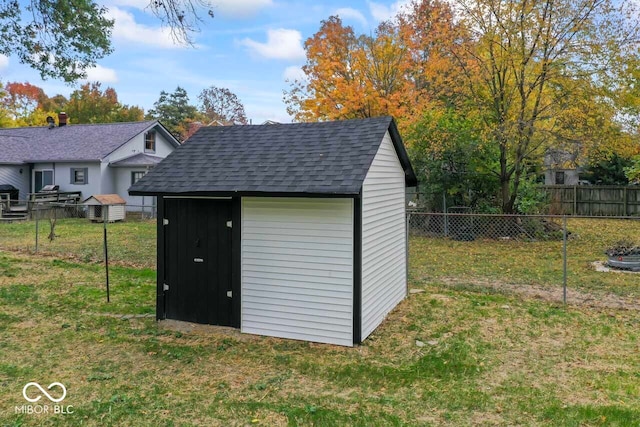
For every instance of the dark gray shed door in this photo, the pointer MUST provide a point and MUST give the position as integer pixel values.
(198, 261)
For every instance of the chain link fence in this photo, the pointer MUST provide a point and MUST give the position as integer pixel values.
(555, 257)
(469, 227)
(535, 255)
(79, 232)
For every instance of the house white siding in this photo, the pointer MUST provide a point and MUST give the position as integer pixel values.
(297, 268)
(136, 145)
(122, 178)
(93, 185)
(10, 174)
(383, 237)
(119, 179)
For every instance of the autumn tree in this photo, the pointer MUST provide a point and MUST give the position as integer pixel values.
(223, 105)
(91, 104)
(26, 105)
(404, 67)
(175, 112)
(349, 76)
(21, 99)
(429, 30)
(528, 69)
(5, 116)
(62, 39)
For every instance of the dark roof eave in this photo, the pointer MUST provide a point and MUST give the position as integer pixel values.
(410, 178)
(314, 194)
(166, 134)
(133, 165)
(65, 161)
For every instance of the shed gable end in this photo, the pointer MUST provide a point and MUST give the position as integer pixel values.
(383, 237)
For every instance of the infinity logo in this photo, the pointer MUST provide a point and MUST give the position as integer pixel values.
(39, 387)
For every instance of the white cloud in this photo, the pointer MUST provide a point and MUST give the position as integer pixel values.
(280, 44)
(128, 30)
(293, 73)
(101, 74)
(4, 61)
(239, 8)
(222, 8)
(353, 14)
(381, 12)
(138, 4)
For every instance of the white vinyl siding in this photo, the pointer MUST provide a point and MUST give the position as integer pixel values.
(92, 185)
(383, 237)
(297, 268)
(11, 175)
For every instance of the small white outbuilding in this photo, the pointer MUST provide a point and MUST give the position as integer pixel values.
(109, 207)
(292, 231)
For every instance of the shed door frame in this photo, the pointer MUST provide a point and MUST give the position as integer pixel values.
(162, 253)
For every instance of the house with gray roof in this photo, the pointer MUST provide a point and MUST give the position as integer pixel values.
(89, 158)
(292, 230)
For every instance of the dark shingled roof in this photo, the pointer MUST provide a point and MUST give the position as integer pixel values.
(296, 158)
(88, 142)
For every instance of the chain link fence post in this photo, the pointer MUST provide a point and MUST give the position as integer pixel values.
(37, 225)
(564, 259)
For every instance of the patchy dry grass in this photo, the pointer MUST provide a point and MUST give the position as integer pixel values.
(488, 359)
(131, 243)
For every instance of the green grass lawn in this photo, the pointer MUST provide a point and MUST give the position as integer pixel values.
(488, 358)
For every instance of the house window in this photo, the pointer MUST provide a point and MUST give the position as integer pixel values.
(150, 141)
(42, 178)
(560, 178)
(136, 175)
(79, 176)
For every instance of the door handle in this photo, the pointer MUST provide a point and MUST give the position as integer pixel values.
(198, 260)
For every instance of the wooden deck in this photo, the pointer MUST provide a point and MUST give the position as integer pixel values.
(15, 210)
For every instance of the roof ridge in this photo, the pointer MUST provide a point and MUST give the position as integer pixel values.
(82, 124)
(331, 157)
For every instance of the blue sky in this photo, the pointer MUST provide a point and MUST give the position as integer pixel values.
(250, 47)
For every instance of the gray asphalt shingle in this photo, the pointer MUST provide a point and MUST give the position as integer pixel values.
(313, 158)
(71, 142)
(140, 159)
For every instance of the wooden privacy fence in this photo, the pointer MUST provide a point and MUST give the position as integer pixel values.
(593, 200)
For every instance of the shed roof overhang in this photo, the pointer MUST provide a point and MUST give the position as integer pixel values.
(195, 194)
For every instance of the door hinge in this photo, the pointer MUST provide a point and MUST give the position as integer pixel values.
(230, 294)
(230, 224)
(165, 287)
(165, 221)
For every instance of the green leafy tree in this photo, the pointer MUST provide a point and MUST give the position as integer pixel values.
(62, 39)
(608, 171)
(90, 104)
(632, 171)
(451, 161)
(175, 112)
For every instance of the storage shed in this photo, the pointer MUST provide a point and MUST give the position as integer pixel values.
(293, 231)
(105, 206)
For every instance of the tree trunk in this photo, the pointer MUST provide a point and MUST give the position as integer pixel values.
(505, 181)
